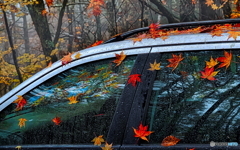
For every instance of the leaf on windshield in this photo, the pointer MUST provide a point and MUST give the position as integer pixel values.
(72, 99)
(225, 61)
(134, 78)
(174, 61)
(57, 120)
(21, 102)
(170, 141)
(209, 73)
(66, 59)
(107, 147)
(98, 140)
(142, 132)
(22, 122)
(211, 63)
(154, 66)
(119, 58)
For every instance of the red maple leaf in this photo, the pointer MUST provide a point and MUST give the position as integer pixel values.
(96, 44)
(57, 120)
(174, 61)
(134, 78)
(21, 102)
(209, 73)
(225, 61)
(153, 30)
(142, 132)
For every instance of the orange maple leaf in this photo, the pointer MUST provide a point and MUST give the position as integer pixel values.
(233, 34)
(133, 79)
(209, 73)
(211, 63)
(72, 99)
(22, 122)
(95, 6)
(170, 141)
(174, 61)
(57, 120)
(142, 132)
(225, 61)
(119, 58)
(98, 140)
(140, 37)
(49, 2)
(96, 44)
(21, 102)
(107, 147)
(66, 59)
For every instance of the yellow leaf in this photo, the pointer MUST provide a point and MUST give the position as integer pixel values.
(22, 122)
(18, 147)
(211, 63)
(107, 147)
(98, 140)
(72, 99)
(78, 55)
(154, 66)
(233, 34)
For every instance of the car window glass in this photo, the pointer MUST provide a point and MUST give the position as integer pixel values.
(196, 97)
(72, 107)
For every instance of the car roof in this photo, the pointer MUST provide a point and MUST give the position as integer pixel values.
(182, 42)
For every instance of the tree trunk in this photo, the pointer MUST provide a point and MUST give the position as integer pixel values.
(41, 25)
(12, 46)
(26, 37)
(70, 13)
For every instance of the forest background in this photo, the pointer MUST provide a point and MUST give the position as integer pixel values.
(34, 33)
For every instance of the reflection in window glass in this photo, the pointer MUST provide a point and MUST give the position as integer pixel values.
(72, 107)
(195, 104)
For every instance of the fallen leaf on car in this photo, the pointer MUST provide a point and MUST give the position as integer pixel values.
(119, 58)
(154, 66)
(72, 99)
(22, 122)
(57, 120)
(142, 132)
(98, 140)
(21, 102)
(78, 55)
(66, 59)
(134, 78)
(225, 61)
(107, 147)
(170, 141)
(211, 63)
(209, 73)
(174, 61)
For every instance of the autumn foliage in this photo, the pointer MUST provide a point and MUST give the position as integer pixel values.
(95, 7)
(170, 141)
(142, 132)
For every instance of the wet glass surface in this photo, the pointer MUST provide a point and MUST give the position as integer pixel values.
(195, 104)
(72, 107)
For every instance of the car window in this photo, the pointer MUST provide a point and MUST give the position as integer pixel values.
(196, 97)
(73, 107)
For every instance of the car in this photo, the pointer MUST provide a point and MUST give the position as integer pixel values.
(179, 92)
